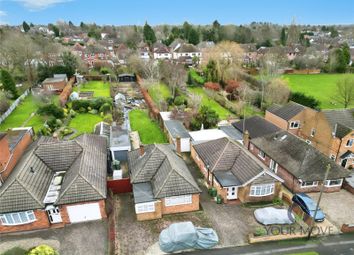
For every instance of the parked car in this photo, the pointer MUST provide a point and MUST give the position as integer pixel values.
(308, 206)
(271, 215)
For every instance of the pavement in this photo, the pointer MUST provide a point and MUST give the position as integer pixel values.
(76, 239)
(338, 207)
(330, 245)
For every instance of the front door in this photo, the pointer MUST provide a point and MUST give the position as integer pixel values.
(54, 215)
(231, 193)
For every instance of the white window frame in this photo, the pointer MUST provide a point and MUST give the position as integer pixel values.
(145, 207)
(308, 141)
(313, 132)
(23, 217)
(294, 124)
(350, 142)
(262, 190)
(305, 184)
(275, 170)
(332, 156)
(328, 183)
(178, 200)
(260, 152)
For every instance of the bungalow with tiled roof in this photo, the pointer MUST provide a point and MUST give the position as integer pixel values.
(56, 183)
(162, 182)
(235, 172)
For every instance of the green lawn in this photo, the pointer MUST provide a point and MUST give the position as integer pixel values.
(84, 122)
(100, 88)
(20, 114)
(159, 92)
(223, 113)
(321, 86)
(149, 130)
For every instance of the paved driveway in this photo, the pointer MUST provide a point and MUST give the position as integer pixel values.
(76, 239)
(337, 206)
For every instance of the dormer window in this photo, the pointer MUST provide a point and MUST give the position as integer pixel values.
(350, 143)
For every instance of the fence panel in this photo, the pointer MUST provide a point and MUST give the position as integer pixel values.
(120, 186)
(13, 106)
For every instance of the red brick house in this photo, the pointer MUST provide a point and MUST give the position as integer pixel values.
(55, 84)
(13, 144)
(54, 184)
(235, 172)
(300, 165)
(162, 182)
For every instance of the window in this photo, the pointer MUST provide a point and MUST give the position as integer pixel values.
(350, 143)
(294, 124)
(308, 142)
(306, 184)
(262, 190)
(178, 200)
(17, 218)
(273, 166)
(261, 154)
(333, 157)
(334, 183)
(145, 207)
(313, 131)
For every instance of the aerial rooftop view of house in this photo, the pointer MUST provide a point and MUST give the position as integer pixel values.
(300, 165)
(235, 172)
(56, 183)
(162, 182)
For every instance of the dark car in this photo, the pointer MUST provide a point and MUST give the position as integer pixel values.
(308, 206)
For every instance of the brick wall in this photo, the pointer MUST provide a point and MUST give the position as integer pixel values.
(41, 222)
(16, 153)
(54, 86)
(348, 187)
(194, 206)
(279, 122)
(157, 214)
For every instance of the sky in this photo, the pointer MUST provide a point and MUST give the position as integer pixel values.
(136, 12)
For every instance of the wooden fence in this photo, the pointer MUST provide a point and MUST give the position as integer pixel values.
(13, 106)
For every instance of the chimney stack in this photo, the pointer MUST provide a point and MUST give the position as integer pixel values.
(142, 150)
(246, 138)
(178, 145)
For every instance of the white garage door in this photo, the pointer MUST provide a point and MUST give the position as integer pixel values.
(85, 212)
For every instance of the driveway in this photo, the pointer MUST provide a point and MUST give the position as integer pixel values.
(337, 206)
(76, 239)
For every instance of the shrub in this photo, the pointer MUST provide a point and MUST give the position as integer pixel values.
(305, 100)
(94, 111)
(213, 86)
(4, 103)
(98, 102)
(105, 108)
(52, 123)
(108, 118)
(77, 104)
(170, 100)
(179, 100)
(232, 86)
(260, 231)
(51, 110)
(194, 78)
(42, 250)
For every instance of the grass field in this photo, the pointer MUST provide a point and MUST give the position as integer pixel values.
(159, 92)
(84, 122)
(321, 86)
(223, 113)
(149, 130)
(23, 111)
(99, 88)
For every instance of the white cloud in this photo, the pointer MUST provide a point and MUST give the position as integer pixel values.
(2, 13)
(36, 5)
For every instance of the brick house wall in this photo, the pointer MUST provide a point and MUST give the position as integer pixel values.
(343, 148)
(284, 124)
(157, 214)
(290, 181)
(244, 194)
(54, 86)
(194, 206)
(11, 158)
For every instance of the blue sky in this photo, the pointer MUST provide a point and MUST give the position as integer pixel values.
(123, 12)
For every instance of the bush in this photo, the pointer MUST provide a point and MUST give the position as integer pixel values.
(232, 86)
(52, 123)
(77, 104)
(305, 100)
(4, 103)
(43, 250)
(108, 118)
(170, 101)
(105, 108)
(51, 110)
(260, 231)
(179, 100)
(213, 86)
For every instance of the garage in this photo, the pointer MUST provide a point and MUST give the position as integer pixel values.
(84, 212)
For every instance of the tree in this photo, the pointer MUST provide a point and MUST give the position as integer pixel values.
(71, 24)
(193, 36)
(277, 91)
(206, 118)
(345, 91)
(174, 76)
(149, 34)
(211, 71)
(4, 103)
(283, 36)
(55, 29)
(25, 26)
(70, 62)
(8, 83)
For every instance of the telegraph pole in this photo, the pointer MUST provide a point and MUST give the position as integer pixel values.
(318, 201)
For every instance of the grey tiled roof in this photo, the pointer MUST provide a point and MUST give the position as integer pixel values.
(176, 128)
(297, 157)
(160, 166)
(84, 180)
(231, 132)
(256, 126)
(225, 155)
(287, 111)
(343, 118)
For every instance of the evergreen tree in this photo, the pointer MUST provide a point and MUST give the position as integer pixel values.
(69, 62)
(71, 24)
(193, 36)
(149, 34)
(8, 83)
(25, 26)
(283, 36)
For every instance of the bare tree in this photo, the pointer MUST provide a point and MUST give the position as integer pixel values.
(345, 91)
(277, 91)
(174, 75)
